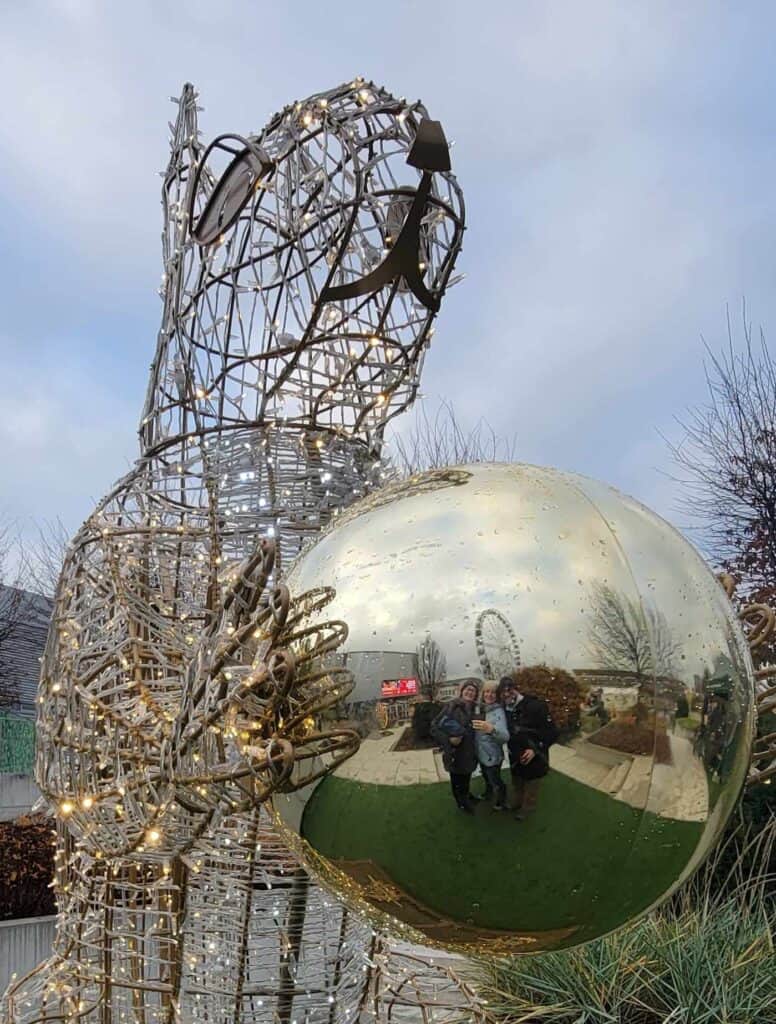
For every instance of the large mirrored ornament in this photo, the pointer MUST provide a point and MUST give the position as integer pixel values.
(608, 623)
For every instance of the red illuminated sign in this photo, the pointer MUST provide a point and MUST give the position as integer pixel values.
(399, 687)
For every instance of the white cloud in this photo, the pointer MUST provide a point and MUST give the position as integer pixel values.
(616, 163)
(64, 438)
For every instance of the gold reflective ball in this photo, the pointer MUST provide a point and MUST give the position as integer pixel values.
(556, 705)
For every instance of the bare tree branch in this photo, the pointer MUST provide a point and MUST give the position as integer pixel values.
(441, 440)
(727, 463)
(43, 560)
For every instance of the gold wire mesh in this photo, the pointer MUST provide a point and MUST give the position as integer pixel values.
(180, 682)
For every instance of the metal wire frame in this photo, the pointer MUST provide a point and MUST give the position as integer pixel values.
(759, 625)
(251, 334)
(180, 683)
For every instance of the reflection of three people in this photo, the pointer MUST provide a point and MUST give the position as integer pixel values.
(473, 730)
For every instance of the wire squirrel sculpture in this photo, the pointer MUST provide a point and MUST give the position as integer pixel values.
(180, 684)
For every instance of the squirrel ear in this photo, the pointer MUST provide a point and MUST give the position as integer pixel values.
(177, 181)
(430, 151)
(184, 154)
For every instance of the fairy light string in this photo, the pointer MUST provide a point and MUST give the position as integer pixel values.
(180, 683)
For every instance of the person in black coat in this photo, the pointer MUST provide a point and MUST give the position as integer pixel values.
(595, 706)
(453, 730)
(531, 733)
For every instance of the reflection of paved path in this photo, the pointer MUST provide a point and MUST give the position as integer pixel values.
(625, 777)
(579, 760)
(678, 791)
(375, 762)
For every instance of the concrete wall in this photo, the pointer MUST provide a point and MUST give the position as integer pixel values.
(617, 698)
(23, 945)
(370, 668)
(17, 795)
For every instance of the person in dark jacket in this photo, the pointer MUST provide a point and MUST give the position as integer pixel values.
(531, 733)
(595, 706)
(453, 729)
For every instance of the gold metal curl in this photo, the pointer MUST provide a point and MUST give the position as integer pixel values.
(758, 622)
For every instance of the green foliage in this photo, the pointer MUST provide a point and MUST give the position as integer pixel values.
(705, 958)
(17, 745)
(756, 816)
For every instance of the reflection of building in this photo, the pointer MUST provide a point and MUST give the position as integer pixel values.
(371, 669)
(395, 688)
(448, 690)
(649, 689)
(612, 677)
(390, 677)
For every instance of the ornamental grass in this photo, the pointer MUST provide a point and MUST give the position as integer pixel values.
(706, 957)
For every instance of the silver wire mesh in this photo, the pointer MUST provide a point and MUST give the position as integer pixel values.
(303, 268)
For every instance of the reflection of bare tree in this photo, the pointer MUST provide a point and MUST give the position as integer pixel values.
(432, 667)
(624, 636)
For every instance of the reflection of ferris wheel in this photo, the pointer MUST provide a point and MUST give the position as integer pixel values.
(496, 643)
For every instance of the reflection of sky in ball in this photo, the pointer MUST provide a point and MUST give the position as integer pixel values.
(526, 541)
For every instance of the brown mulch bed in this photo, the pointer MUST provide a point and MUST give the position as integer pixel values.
(408, 741)
(634, 739)
(663, 749)
(26, 867)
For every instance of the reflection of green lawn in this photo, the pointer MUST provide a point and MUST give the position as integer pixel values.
(584, 859)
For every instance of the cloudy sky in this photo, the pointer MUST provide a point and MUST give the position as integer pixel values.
(619, 165)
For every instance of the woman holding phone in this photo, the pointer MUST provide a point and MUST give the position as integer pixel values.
(491, 732)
